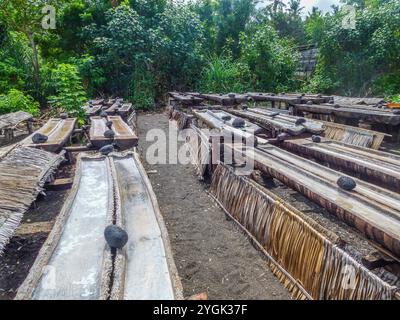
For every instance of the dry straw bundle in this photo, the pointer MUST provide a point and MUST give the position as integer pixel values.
(23, 172)
(307, 252)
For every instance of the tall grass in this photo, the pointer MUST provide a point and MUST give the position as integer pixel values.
(223, 75)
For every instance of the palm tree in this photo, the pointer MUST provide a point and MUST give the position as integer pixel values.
(275, 6)
(295, 7)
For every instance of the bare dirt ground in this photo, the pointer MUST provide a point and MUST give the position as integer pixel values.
(210, 253)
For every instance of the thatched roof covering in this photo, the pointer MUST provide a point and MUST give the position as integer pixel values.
(11, 120)
(23, 172)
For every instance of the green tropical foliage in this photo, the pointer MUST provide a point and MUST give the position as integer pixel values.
(16, 100)
(139, 49)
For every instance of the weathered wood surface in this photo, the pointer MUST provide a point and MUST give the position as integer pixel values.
(186, 99)
(259, 96)
(96, 102)
(214, 122)
(149, 271)
(279, 123)
(374, 211)
(23, 173)
(92, 110)
(124, 135)
(314, 98)
(373, 166)
(11, 120)
(223, 99)
(76, 263)
(58, 132)
(365, 113)
(358, 101)
(125, 110)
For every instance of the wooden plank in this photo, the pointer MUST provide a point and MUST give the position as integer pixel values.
(374, 211)
(374, 116)
(370, 165)
(58, 132)
(124, 135)
(60, 184)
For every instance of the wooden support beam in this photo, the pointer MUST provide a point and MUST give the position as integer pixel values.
(60, 184)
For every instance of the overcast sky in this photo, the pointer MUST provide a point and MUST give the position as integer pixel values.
(324, 5)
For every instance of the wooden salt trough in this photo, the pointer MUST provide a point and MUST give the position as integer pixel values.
(92, 110)
(124, 135)
(58, 131)
(373, 166)
(75, 262)
(125, 110)
(372, 210)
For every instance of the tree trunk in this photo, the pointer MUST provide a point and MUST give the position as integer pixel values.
(36, 67)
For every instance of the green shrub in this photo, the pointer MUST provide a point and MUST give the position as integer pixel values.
(142, 89)
(70, 96)
(223, 75)
(16, 100)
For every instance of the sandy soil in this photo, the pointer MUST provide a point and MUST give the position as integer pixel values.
(210, 253)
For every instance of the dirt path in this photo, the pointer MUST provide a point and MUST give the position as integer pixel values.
(210, 253)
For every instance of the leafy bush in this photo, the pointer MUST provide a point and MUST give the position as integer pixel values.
(272, 60)
(224, 75)
(16, 100)
(70, 96)
(142, 92)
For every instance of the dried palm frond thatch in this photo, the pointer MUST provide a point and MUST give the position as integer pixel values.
(23, 172)
(355, 136)
(303, 255)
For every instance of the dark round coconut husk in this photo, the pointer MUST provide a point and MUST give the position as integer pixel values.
(309, 102)
(396, 111)
(319, 95)
(109, 124)
(283, 93)
(39, 138)
(103, 114)
(238, 123)
(282, 137)
(231, 95)
(250, 99)
(89, 145)
(260, 94)
(63, 115)
(90, 102)
(346, 183)
(226, 118)
(109, 134)
(300, 121)
(272, 94)
(303, 94)
(115, 236)
(336, 106)
(106, 149)
(316, 139)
